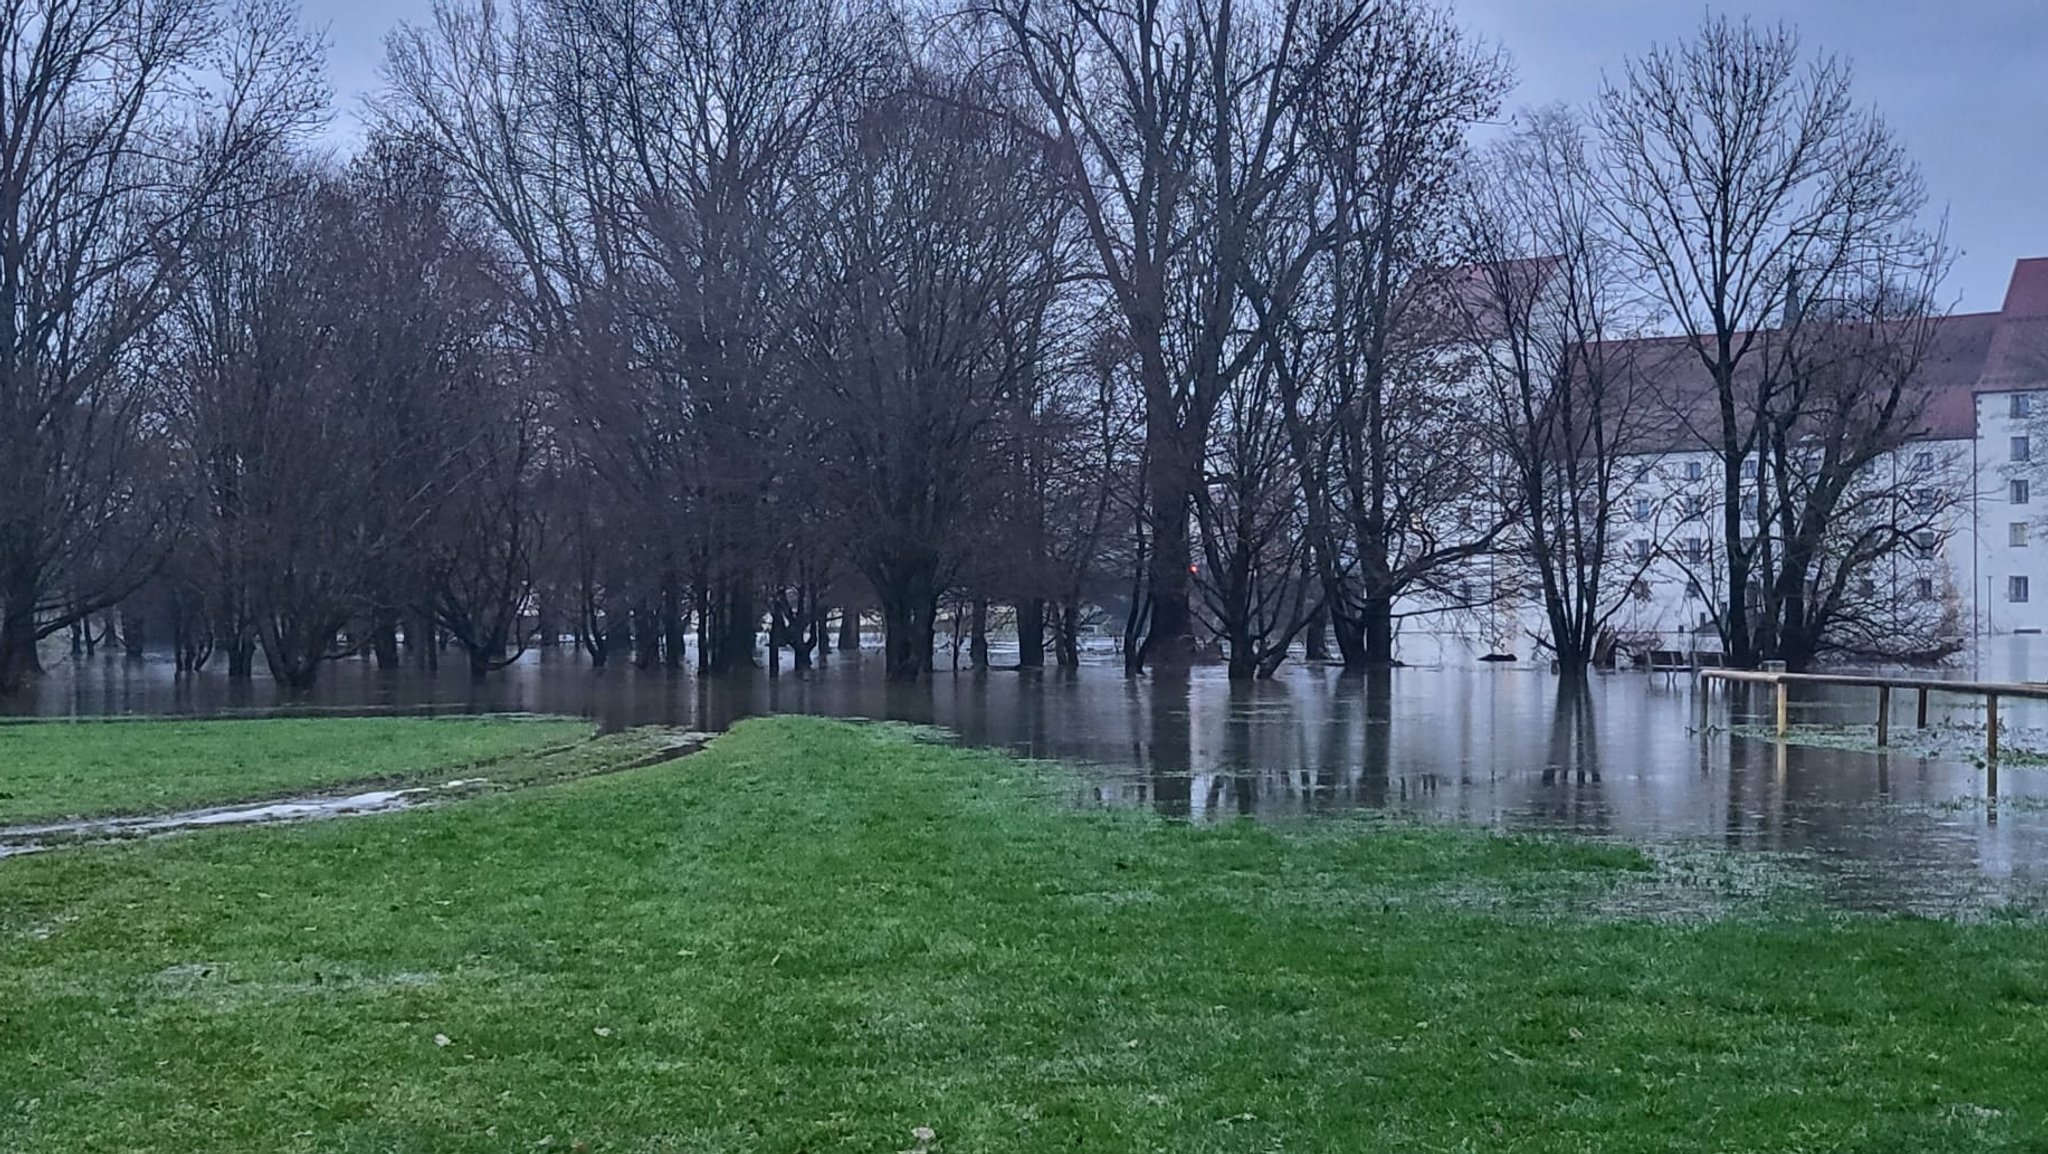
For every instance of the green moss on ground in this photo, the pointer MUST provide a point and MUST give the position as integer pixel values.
(817, 936)
(51, 770)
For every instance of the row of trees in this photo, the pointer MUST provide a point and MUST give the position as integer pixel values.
(655, 317)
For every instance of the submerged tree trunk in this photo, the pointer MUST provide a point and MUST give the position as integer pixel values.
(1031, 633)
(1316, 636)
(849, 629)
(977, 645)
(1169, 634)
(646, 637)
(18, 663)
(732, 638)
(1068, 642)
(384, 641)
(675, 620)
(1378, 623)
(909, 632)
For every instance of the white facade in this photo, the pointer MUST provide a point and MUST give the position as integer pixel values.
(2008, 575)
(1981, 467)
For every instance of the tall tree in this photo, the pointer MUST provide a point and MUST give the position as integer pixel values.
(935, 281)
(123, 125)
(1571, 418)
(1176, 124)
(1745, 180)
(1381, 428)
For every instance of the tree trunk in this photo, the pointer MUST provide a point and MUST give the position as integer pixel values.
(384, 642)
(733, 639)
(675, 621)
(1069, 634)
(1242, 663)
(241, 658)
(909, 622)
(419, 637)
(1031, 633)
(1169, 637)
(849, 629)
(18, 651)
(646, 637)
(1378, 622)
(1316, 636)
(977, 646)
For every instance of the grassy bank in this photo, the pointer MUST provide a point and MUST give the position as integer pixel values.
(819, 937)
(54, 770)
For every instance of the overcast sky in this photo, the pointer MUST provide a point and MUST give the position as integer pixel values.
(1963, 82)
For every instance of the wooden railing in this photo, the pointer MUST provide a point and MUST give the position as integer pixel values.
(1990, 691)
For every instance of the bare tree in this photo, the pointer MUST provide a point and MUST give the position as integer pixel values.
(1254, 544)
(1381, 429)
(933, 273)
(1175, 121)
(1841, 498)
(1744, 180)
(123, 124)
(1570, 416)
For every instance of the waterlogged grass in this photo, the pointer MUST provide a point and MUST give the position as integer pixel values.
(1946, 741)
(822, 937)
(52, 770)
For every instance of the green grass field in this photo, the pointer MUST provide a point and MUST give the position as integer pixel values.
(53, 770)
(821, 937)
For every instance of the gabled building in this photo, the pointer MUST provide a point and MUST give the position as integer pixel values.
(1968, 484)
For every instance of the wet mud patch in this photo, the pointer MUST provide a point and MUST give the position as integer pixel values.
(616, 753)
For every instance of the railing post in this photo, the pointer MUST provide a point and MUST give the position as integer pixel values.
(1991, 728)
(1884, 715)
(1923, 708)
(1784, 692)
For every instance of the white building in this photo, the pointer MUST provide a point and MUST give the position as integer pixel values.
(1981, 568)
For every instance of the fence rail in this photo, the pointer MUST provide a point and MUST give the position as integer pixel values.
(1990, 691)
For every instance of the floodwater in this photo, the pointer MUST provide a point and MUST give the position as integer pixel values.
(1635, 756)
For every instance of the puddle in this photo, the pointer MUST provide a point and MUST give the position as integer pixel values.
(37, 838)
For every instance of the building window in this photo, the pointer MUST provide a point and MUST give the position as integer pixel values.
(1693, 590)
(2016, 535)
(1923, 461)
(1641, 590)
(2020, 495)
(1749, 469)
(1639, 549)
(2022, 448)
(2022, 405)
(1642, 508)
(1695, 548)
(1866, 588)
(1694, 470)
(2016, 589)
(1924, 588)
(1695, 507)
(1925, 541)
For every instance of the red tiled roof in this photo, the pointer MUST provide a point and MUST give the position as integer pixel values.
(1967, 353)
(2027, 294)
(2019, 352)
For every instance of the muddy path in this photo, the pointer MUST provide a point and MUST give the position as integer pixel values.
(346, 802)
